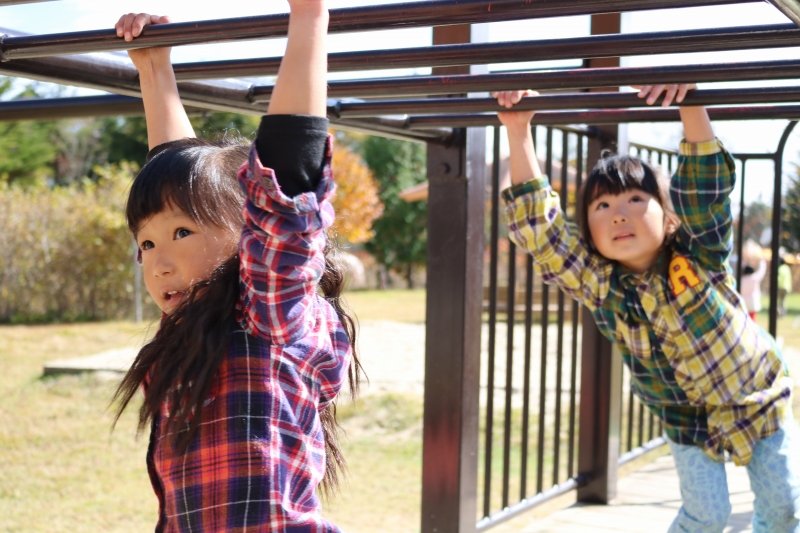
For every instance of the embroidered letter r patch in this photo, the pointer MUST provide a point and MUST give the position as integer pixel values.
(681, 275)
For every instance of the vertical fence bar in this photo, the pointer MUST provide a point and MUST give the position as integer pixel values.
(545, 319)
(573, 378)
(640, 425)
(510, 305)
(740, 231)
(631, 407)
(560, 331)
(526, 387)
(493, 254)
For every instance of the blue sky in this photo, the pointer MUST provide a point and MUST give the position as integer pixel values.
(753, 136)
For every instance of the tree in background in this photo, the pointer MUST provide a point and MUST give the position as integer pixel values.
(757, 219)
(790, 214)
(356, 203)
(26, 151)
(400, 241)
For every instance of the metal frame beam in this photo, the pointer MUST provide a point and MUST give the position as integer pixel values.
(113, 73)
(790, 8)
(400, 15)
(582, 78)
(16, 2)
(630, 44)
(456, 214)
(608, 116)
(608, 100)
(416, 128)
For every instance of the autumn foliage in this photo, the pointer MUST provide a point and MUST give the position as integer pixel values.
(356, 202)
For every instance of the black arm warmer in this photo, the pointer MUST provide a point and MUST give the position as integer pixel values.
(294, 147)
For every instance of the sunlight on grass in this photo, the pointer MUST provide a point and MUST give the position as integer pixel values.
(63, 470)
(400, 305)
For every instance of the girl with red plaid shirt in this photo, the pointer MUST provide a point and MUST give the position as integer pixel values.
(240, 378)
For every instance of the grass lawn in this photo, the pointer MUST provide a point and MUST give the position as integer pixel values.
(63, 470)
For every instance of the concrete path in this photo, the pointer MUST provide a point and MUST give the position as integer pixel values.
(647, 502)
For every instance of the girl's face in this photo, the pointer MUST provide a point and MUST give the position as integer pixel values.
(629, 228)
(177, 253)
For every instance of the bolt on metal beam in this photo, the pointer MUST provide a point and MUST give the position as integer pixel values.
(356, 19)
(615, 45)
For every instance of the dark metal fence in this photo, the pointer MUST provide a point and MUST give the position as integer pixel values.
(530, 408)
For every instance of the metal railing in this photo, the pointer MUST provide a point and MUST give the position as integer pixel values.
(537, 357)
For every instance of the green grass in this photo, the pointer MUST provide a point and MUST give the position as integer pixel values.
(397, 304)
(62, 470)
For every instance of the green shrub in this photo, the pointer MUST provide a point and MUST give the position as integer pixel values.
(67, 253)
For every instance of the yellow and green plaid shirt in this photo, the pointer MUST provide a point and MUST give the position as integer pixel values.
(697, 360)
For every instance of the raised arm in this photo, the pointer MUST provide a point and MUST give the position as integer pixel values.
(289, 184)
(301, 88)
(701, 186)
(163, 110)
(536, 222)
(696, 124)
(522, 158)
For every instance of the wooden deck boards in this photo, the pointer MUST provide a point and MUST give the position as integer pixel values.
(647, 502)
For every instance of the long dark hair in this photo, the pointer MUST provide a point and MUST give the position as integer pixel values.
(615, 174)
(178, 365)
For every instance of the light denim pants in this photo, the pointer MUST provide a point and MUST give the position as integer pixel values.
(774, 472)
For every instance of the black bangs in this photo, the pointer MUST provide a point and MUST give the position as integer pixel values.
(617, 174)
(196, 176)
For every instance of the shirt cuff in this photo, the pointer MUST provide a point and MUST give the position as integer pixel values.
(521, 189)
(703, 148)
(295, 147)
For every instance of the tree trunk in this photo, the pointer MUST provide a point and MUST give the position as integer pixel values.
(410, 275)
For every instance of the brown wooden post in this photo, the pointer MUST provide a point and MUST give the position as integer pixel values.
(456, 175)
(601, 367)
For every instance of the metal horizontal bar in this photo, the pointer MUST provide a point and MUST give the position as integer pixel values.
(790, 8)
(46, 109)
(761, 95)
(16, 2)
(607, 116)
(628, 44)
(529, 503)
(112, 73)
(400, 15)
(641, 450)
(60, 108)
(582, 78)
(109, 105)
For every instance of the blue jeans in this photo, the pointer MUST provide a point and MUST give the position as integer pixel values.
(774, 472)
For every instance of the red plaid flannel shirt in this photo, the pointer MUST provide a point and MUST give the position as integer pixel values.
(259, 453)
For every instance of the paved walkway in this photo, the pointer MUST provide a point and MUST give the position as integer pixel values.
(647, 502)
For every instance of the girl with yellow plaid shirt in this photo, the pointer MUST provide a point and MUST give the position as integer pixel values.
(649, 258)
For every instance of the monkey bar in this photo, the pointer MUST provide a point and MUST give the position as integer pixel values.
(414, 108)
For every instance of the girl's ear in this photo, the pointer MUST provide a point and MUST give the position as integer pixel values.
(671, 223)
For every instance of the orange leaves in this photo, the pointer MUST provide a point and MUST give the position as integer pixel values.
(356, 202)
